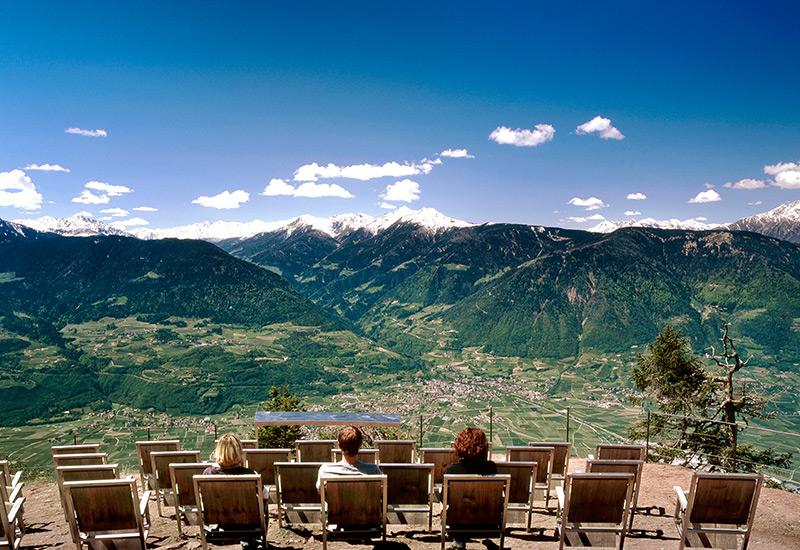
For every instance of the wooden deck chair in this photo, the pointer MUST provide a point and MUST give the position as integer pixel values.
(11, 532)
(441, 458)
(107, 510)
(262, 461)
(543, 457)
(143, 450)
(520, 492)
(612, 451)
(314, 450)
(10, 495)
(161, 480)
(621, 467)
(475, 506)
(364, 455)
(561, 454)
(718, 504)
(594, 505)
(11, 480)
(75, 449)
(231, 507)
(83, 459)
(396, 451)
(409, 489)
(182, 476)
(81, 473)
(246, 443)
(356, 505)
(296, 488)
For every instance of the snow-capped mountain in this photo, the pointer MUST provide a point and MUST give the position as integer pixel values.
(77, 225)
(692, 224)
(334, 226)
(782, 222)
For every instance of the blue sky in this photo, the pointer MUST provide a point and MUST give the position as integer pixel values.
(197, 99)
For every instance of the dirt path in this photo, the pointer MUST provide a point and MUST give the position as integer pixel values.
(777, 525)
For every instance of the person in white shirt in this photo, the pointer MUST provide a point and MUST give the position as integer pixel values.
(350, 439)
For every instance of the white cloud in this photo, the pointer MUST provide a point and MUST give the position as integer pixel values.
(591, 203)
(404, 191)
(88, 133)
(708, 185)
(145, 209)
(363, 172)
(746, 183)
(107, 188)
(522, 137)
(278, 187)
(17, 190)
(387, 206)
(87, 197)
(313, 190)
(786, 174)
(115, 212)
(585, 219)
(709, 195)
(130, 222)
(47, 167)
(756, 203)
(601, 126)
(632, 213)
(636, 196)
(456, 154)
(225, 200)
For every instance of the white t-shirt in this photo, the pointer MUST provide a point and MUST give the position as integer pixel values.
(344, 468)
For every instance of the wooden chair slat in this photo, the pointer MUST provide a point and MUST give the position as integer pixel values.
(314, 450)
(396, 451)
(262, 462)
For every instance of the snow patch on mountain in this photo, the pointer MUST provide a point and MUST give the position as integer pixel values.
(691, 224)
(81, 224)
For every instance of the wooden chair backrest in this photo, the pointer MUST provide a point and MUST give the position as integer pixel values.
(729, 499)
(67, 474)
(395, 451)
(103, 506)
(229, 500)
(408, 483)
(561, 453)
(475, 500)
(364, 455)
(182, 479)
(522, 475)
(616, 467)
(354, 500)
(314, 450)
(297, 481)
(6, 529)
(85, 459)
(542, 456)
(609, 451)
(75, 449)
(261, 462)
(440, 458)
(144, 448)
(161, 461)
(5, 469)
(597, 498)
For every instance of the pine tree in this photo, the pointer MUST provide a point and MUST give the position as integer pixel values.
(280, 437)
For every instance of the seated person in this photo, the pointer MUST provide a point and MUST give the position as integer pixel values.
(472, 449)
(229, 458)
(350, 439)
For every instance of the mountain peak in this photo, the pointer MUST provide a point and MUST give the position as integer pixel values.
(691, 224)
(81, 224)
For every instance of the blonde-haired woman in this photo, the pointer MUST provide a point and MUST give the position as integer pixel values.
(229, 458)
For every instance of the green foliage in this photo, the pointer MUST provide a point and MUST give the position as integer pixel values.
(280, 437)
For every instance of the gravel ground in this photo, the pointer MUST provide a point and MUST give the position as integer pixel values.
(777, 523)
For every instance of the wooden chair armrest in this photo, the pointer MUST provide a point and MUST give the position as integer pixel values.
(143, 503)
(16, 493)
(17, 477)
(589, 457)
(560, 497)
(15, 510)
(683, 502)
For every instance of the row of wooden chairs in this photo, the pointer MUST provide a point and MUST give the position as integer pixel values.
(12, 501)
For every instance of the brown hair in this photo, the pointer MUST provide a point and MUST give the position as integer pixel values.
(350, 440)
(471, 444)
(228, 452)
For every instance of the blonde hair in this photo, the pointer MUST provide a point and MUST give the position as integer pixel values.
(228, 452)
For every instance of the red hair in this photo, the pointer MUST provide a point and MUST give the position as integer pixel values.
(471, 444)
